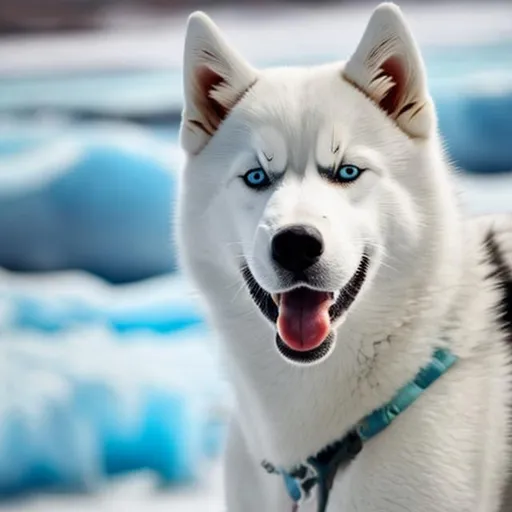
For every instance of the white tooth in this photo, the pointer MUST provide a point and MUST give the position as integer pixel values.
(275, 298)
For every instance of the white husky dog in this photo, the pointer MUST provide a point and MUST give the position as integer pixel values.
(319, 219)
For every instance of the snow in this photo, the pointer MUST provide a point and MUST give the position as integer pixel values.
(133, 494)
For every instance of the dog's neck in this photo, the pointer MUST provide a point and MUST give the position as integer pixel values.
(291, 412)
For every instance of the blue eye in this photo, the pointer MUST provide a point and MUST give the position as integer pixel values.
(347, 173)
(256, 178)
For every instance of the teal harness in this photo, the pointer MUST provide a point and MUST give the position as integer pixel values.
(319, 471)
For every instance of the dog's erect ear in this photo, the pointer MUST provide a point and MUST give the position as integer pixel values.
(215, 78)
(387, 67)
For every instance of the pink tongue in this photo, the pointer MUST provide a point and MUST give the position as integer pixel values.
(303, 321)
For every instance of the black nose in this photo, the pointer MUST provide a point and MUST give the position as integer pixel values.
(297, 247)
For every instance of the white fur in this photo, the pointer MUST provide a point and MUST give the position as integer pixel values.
(426, 286)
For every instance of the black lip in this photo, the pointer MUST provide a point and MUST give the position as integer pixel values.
(261, 298)
(349, 292)
(306, 356)
(268, 307)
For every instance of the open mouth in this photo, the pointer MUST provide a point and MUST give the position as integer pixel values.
(304, 317)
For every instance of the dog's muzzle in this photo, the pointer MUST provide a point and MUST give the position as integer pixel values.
(304, 317)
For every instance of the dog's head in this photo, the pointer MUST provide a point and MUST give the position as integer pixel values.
(315, 186)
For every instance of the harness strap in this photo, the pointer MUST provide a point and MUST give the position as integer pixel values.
(327, 465)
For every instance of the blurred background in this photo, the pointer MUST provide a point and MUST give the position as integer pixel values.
(111, 392)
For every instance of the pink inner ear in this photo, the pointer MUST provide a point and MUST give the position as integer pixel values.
(393, 68)
(211, 110)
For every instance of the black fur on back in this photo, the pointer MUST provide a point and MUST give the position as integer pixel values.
(498, 248)
(502, 273)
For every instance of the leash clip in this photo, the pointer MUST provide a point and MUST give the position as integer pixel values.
(298, 482)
